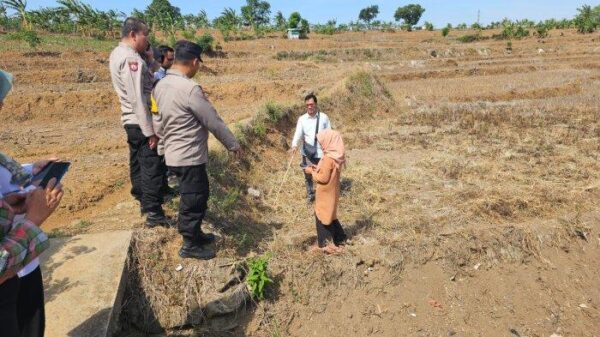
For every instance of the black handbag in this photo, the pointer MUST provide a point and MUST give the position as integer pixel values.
(310, 151)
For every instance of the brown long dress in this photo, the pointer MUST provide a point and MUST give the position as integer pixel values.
(327, 194)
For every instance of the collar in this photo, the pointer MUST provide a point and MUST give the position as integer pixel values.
(313, 117)
(176, 73)
(125, 45)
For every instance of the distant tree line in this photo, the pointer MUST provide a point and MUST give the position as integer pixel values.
(252, 20)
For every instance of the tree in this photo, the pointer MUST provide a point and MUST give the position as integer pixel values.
(445, 31)
(296, 21)
(280, 21)
(227, 23)
(410, 14)
(161, 15)
(20, 6)
(428, 26)
(256, 13)
(588, 19)
(368, 14)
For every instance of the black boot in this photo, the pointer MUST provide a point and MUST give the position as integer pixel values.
(206, 238)
(157, 219)
(196, 251)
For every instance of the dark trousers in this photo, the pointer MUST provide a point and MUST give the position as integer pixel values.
(146, 171)
(333, 233)
(308, 180)
(9, 293)
(30, 305)
(194, 191)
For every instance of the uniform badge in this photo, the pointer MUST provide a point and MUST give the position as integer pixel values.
(133, 66)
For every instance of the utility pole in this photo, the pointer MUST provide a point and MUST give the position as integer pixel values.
(478, 16)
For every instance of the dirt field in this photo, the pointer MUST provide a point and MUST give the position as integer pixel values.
(471, 192)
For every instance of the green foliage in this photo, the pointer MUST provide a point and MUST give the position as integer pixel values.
(368, 14)
(428, 26)
(588, 19)
(477, 26)
(196, 21)
(509, 45)
(296, 21)
(206, 41)
(445, 31)
(228, 23)
(28, 36)
(161, 15)
(256, 14)
(258, 278)
(274, 111)
(189, 34)
(541, 30)
(410, 14)
(328, 29)
(512, 30)
(280, 21)
(468, 38)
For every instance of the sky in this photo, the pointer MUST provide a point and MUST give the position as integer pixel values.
(439, 12)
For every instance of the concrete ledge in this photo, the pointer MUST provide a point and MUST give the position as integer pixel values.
(84, 281)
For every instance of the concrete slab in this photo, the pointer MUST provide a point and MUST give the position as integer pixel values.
(84, 280)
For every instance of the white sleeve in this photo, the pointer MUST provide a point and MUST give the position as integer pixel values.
(298, 134)
(327, 124)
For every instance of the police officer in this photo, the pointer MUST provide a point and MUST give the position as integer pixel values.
(187, 117)
(129, 73)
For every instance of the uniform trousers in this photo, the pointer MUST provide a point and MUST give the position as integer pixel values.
(146, 171)
(194, 191)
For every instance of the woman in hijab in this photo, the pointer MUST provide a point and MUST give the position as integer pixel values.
(330, 234)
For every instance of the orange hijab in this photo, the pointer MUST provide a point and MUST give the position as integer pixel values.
(333, 146)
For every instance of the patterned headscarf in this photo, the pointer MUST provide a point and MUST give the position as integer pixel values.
(20, 177)
(333, 146)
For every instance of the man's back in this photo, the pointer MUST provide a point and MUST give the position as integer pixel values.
(186, 118)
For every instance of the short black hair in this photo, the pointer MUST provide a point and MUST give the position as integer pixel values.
(186, 51)
(133, 25)
(309, 96)
(163, 50)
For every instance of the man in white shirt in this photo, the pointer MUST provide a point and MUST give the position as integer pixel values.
(307, 128)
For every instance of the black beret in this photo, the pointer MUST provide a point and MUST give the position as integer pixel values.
(187, 51)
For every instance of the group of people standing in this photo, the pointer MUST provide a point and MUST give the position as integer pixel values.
(167, 118)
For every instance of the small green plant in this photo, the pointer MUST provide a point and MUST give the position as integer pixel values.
(83, 224)
(428, 26)
(206, 41)
(509, 45)
(29, 36)
(468, 38)
(274, 112)
(445, 31)
(189, 34)
(258, 279)
(541, 31)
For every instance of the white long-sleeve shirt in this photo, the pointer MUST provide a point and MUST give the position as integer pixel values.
(305, 130)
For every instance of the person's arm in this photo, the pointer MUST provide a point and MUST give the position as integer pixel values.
(327, 124)
(19, 246)
(322, 174)
(133, 72)
(206, 114)
(297, 134)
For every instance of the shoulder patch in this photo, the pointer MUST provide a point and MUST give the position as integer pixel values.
(133, 65)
